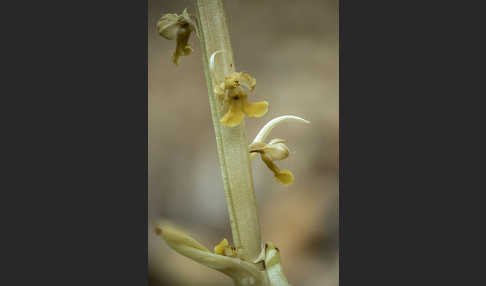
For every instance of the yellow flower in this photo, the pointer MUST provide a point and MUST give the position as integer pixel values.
(232, 92)
(273, 151)
(223, 248)
(172, 26)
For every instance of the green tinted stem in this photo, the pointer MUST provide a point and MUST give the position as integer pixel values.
(232, 142)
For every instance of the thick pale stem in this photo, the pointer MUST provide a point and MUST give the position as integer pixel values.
(232, 142)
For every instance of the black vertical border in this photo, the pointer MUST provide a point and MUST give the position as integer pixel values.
(74, 189)
(340, 207)
(396, 74)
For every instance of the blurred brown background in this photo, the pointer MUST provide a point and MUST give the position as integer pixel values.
(291, 48)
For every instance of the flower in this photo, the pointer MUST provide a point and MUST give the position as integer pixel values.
(273, 151)
(223, 248)
(231, 92)
(172, 26)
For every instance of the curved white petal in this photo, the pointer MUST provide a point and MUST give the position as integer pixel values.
(262, 135)
(211, 61)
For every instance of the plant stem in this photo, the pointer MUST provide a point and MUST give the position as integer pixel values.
(232, 142)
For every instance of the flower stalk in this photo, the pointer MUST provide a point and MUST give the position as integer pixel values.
(232, 142)
(247, 261)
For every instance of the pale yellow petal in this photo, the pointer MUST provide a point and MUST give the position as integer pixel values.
(219, 249)
(233, 117)
(256, 109)
(285, 177)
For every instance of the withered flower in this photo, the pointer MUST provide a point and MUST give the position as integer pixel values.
(179, 27)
